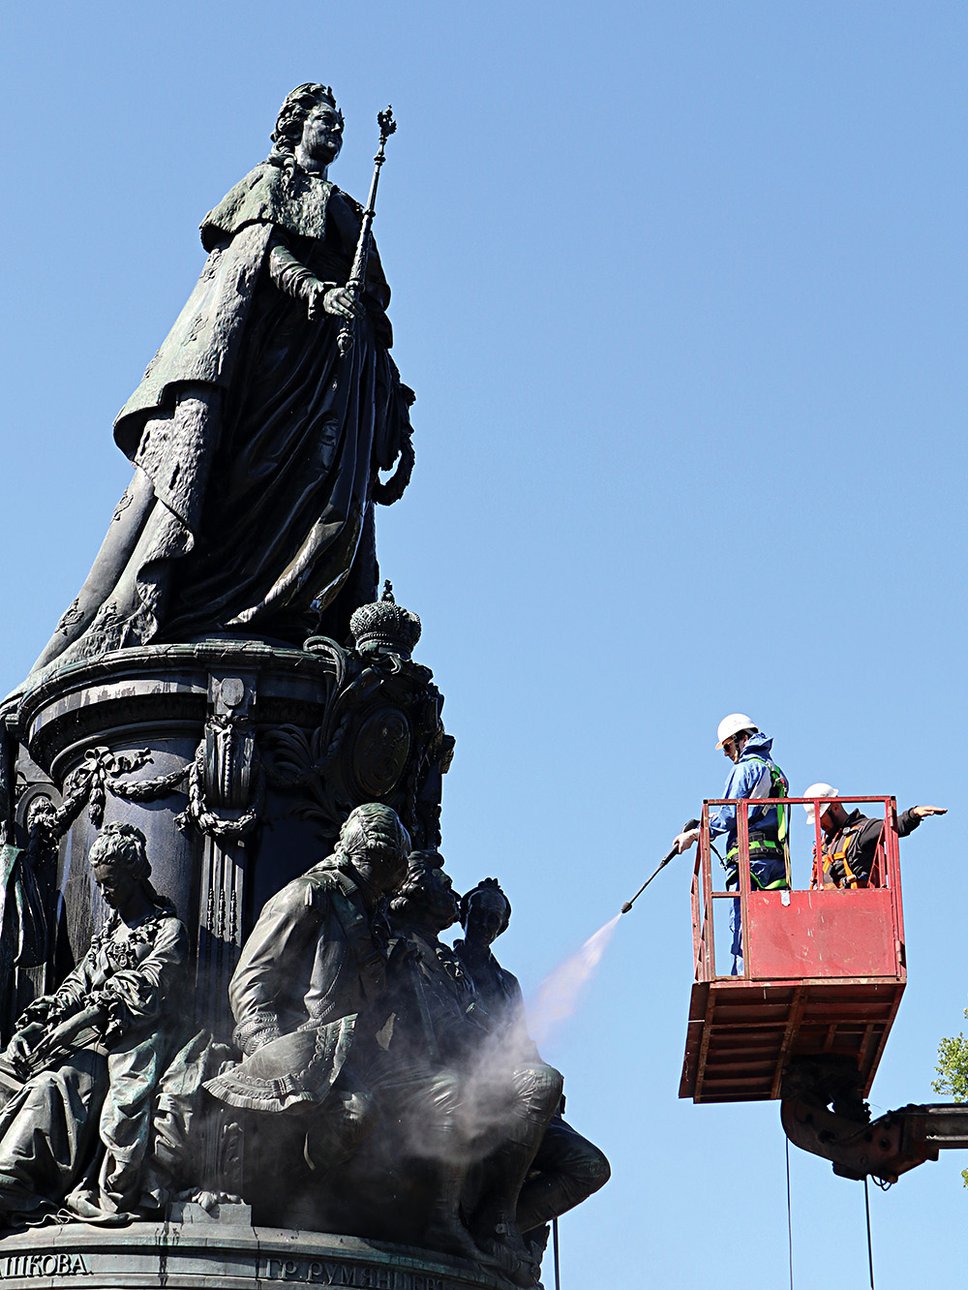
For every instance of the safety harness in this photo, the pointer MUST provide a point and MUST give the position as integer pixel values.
(840, 866)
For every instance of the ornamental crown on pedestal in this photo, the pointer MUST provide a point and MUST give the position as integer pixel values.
(385, 625)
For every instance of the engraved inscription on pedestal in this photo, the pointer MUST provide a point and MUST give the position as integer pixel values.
(15, 1267)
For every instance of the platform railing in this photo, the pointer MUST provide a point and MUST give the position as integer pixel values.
(704, 896)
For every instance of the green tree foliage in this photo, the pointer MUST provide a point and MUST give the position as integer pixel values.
(952, 1070)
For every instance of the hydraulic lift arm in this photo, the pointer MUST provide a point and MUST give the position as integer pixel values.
(823, 1117)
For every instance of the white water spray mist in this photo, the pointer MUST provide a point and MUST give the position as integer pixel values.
(558, 995)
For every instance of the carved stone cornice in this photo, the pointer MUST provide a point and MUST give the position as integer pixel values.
(161, 687)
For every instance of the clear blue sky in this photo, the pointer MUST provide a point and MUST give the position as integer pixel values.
(682, 291)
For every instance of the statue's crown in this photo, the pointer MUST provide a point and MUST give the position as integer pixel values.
(385, 625)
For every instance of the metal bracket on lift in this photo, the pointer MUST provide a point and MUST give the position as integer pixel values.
(822, 1112)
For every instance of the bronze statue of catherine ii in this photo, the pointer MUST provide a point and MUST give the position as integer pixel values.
(256, 444)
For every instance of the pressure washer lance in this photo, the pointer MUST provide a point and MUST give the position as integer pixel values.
(689, 824)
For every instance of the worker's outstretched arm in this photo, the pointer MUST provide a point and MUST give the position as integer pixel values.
(909, 820)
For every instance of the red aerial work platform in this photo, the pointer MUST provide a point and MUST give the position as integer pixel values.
(822, 973)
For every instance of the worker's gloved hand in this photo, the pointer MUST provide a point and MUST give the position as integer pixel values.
(683, 841)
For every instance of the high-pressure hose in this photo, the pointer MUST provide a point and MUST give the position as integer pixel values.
(689, 824)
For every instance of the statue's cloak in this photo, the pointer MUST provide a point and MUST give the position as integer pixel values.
(203, 346)
(257, 445)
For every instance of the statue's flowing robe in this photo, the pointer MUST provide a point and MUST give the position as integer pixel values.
(256, 445)
(82, 1127)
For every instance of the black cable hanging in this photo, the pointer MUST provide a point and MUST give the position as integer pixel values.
(870, 1247)
(554, 1246)
(789, 1213)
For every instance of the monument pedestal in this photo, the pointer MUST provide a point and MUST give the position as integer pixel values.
(167, 736)
(191, 1255)
(238, 760)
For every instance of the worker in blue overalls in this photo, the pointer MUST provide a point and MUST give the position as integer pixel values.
(754, 774)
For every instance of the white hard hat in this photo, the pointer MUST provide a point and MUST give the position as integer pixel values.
(818, 790)
(732, 725)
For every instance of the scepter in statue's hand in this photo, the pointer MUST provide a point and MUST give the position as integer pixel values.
(358, 273)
